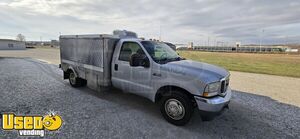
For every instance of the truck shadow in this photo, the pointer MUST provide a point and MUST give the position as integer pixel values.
(249, 115)
(125, 99)
(253, 116)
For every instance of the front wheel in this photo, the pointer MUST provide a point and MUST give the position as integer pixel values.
(75, 81)
(177, 108)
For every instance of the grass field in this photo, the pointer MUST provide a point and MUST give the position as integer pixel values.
(274, 64)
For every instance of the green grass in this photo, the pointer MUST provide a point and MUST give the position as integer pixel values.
(273, 64)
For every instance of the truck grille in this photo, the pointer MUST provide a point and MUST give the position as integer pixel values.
(224, 85)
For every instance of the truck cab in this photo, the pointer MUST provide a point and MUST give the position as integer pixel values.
(153, 70)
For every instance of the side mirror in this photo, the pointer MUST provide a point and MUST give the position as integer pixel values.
(139, 60)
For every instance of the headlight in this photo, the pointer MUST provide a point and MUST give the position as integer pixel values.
(212, 89)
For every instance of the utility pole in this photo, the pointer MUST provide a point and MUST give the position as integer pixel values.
(160, 32)
(260, 40)
(215, 41)
(286, 40)
(202, 42)
(208, 41)
(41, 40)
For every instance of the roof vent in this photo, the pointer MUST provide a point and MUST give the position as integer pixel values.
(125, 34)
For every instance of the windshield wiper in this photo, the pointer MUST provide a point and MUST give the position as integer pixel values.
(167, 60)
(176, 59)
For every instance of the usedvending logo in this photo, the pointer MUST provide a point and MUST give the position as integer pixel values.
(31, 125)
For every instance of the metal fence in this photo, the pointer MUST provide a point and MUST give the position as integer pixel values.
(240, 49)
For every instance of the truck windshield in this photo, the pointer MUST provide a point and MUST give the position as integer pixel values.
(160, 52)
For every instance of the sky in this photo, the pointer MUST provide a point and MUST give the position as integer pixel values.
(176, 21)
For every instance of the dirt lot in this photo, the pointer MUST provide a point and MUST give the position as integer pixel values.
(48, 54)
(282, 89)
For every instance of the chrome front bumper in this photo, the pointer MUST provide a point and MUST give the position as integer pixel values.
(215, 104)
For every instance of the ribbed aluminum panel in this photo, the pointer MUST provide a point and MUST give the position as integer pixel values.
(90, 56)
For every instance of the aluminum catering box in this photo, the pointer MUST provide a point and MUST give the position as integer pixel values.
(89, 56)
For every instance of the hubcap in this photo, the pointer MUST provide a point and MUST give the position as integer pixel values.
(72, 78)
(174, 109)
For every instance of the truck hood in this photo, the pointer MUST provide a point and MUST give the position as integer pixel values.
(207, 73)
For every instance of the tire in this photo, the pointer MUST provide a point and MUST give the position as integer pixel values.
(83, 82)
(206, 118)
(177, 108)
(74, 81)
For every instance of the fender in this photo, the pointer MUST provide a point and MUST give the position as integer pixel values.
(71, 68)
(66, 74)
(182, 86)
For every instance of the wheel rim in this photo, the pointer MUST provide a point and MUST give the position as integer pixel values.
(174, 109)
(72, 78)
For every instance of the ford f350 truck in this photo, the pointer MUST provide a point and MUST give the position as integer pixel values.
(147, 68)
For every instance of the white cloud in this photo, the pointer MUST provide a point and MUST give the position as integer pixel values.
(181, 21)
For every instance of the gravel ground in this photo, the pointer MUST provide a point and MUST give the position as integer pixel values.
(33, 88)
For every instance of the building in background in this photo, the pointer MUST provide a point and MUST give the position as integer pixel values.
(8, 44)
(32, 44)
(54, 43)
(181, 46)
(248, 48)
(238, 44)
(190, 45)
(292, 50)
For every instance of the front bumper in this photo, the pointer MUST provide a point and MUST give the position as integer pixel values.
(215, 104)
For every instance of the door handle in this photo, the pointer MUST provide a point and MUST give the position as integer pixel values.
(156, 74)
(116, 67)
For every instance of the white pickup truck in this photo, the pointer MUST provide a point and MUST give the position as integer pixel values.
(147, 68)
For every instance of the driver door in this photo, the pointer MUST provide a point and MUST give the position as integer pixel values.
(132, 79)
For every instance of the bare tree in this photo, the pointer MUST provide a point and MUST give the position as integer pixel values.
(20, 37)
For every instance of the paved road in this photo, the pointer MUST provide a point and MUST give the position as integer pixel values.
(31, 87)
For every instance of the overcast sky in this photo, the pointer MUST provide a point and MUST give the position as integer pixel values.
(181, 21)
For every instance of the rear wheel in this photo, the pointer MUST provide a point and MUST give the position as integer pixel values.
(75, 81)
(177, 108)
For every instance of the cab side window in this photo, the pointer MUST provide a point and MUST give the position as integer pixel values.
(128, 49)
